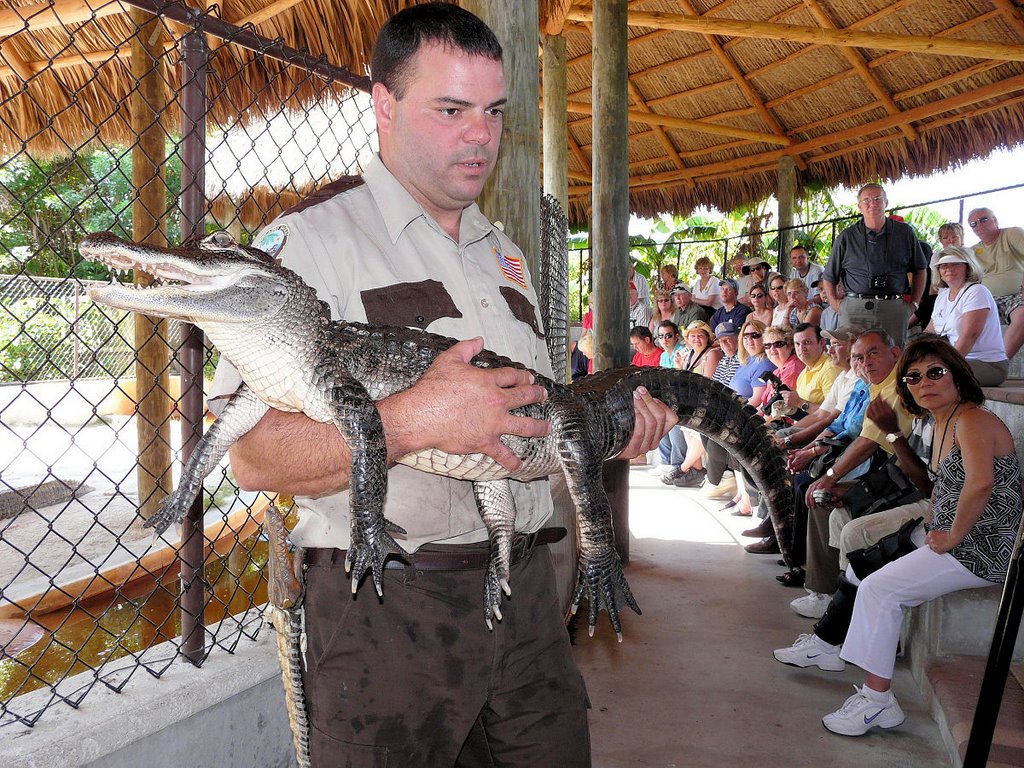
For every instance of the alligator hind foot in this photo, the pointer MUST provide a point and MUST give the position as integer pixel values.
(171, 512)
(369, 550)
(495, 582)
(601, 579)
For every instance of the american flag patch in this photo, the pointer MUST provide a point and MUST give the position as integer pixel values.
(511, 267)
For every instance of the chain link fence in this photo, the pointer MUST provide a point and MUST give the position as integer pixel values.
(155, 127)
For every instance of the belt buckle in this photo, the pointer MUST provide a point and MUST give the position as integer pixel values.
(869, 304)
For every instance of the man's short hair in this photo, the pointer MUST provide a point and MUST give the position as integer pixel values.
(872, 185)
(881, 333)
(641, 332)
(443, 24)
(808, 326)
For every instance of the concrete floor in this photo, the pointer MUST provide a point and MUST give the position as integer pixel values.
(694, 682)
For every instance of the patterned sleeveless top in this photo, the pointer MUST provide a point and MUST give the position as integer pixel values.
(986, 550)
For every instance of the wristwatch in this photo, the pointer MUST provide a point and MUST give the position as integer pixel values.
(892, 437)
(830, 472)
(805, 406)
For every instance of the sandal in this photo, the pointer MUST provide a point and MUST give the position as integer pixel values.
(794, 577)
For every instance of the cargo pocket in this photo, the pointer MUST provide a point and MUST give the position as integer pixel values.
(413, 305)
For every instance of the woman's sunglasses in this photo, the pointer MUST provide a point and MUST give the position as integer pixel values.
(757, 295)
(752, 335)
(934, 374)
(776, 344)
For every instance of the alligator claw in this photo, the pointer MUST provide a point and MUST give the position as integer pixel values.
(601, 580)
(368, 553)
(494, 585)
(171, 513)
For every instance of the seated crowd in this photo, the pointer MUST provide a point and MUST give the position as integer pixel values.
(906, 488)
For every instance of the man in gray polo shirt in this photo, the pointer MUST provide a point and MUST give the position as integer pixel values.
(871, 261)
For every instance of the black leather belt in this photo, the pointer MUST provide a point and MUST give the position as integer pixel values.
(466, 557)
(873, 297)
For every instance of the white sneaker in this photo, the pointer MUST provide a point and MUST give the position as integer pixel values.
(811, 606)
(811, 651)
(861, 713)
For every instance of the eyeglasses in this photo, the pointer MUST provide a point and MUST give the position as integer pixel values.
(666, 335)
(776, 344)
(757, 295)
(778, 287)
(870, 200)
(936, 373)
(661, 300)
(752, 335)
(980, 220)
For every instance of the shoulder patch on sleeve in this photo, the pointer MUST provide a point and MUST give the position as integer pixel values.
(272, 240)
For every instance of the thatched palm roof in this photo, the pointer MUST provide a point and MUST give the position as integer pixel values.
(720, 89)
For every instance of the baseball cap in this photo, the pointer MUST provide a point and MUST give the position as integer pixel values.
(680, 288)
(842, 333)
(727, 328)
(951, 254)
(729, 281)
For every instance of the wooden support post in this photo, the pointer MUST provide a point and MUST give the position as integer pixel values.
(554, 122)
(786, 195)
(153, 353)
(512, 195)
(610, 230)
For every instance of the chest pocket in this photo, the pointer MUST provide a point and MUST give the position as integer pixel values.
(413, 305)
(521, 308)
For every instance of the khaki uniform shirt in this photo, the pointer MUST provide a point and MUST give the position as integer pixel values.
(1002, 263)
(374, 255)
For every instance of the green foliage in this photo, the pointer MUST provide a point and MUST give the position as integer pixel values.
(46, 206)
(38, 342)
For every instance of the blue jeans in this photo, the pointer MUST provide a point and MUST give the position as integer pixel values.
(672, 447)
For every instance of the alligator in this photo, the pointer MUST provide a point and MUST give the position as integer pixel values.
(292, 356)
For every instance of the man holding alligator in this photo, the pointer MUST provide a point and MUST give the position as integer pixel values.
(416, 678)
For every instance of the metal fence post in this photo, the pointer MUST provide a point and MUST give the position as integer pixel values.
(194, 57)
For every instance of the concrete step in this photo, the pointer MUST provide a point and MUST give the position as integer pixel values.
(951, 685)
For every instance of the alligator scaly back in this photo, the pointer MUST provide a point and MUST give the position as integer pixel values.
(270, 324)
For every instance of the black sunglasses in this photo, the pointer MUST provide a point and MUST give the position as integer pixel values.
(935, 373)
(757, 295)
(752, 335)
(776, 344)
(980, 220)
(666, 335)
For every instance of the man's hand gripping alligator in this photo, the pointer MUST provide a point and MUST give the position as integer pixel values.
(291, 356)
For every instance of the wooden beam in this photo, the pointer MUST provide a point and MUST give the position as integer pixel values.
(556, 17)
(734, 72)
(47, 15)
(671, 151)
(856, 60)
(847, 38)
(993, 90)
(263, 14)
(1012, 13)
(668, 121)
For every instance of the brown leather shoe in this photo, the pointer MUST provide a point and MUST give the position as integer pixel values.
(766, 546)
(765, 529)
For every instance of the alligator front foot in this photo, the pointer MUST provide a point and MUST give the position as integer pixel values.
(601, 579)
(368, 551)
(495, 583)
(172, 511)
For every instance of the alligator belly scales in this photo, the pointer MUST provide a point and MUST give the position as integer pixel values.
(270, 325)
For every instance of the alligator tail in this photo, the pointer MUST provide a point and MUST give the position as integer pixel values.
(716, 411)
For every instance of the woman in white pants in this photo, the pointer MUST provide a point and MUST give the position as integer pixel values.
(975, 514)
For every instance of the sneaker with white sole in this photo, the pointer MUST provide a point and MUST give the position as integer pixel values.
(811, 651)
(811, 606)
(862, 712)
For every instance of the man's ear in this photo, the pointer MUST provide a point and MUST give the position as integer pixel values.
(383, 105)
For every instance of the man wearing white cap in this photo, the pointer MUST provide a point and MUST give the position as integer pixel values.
(687, 310)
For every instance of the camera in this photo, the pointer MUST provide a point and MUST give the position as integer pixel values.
(780, 387)
(879, 282)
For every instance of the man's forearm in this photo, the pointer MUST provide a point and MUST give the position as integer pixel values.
(917, 287)
(858, 451)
